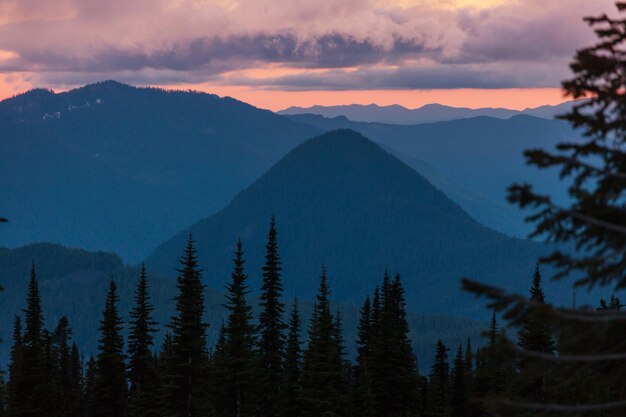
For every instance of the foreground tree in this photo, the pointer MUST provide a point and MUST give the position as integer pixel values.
(33, 382)
(142, 371)
(439, 383)
(459, 402)
(593, 222)
(110, 394)
(393, 364)
(186, 383)
(322, 375)
(239, 354)
(271, 328)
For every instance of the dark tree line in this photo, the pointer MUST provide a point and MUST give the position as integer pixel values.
(268, 366)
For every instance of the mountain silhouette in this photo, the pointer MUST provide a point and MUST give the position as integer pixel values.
(341, 201)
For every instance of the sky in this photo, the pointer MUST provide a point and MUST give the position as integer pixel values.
(276, 54)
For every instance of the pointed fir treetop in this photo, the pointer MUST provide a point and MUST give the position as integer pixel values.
(188, 324)
(441, 367)
(33, 315)
(142, 326)
(272, 286)
(189, 260)
(111, 341)
(237, 289)
(111, 390)
(536, 292)
(271, 329)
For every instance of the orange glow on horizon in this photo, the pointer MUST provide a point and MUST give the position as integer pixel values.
(516, 99)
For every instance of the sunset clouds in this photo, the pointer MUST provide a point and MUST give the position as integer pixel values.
(294, 45)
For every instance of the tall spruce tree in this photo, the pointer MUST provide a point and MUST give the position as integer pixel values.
(393, 364)
(535, 335)
(142, 373)
(33, 382)
(271, 328)
(240, 343)
(186, 382)
(321, 373)
(459, 402)
(439, 384)
(364, 403)
(110, 394)
(293, 362)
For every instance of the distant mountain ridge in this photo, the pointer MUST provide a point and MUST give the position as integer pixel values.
(119, 168)
(396, 114)
(342, 201)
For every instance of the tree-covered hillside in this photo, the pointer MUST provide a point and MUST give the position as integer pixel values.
(113, 167)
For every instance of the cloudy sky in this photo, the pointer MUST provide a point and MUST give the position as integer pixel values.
(272, 53)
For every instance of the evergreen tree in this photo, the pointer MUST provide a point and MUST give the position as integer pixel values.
(534, 336)
(321, 373)
(271, 327)
(33, 381)
(15, 386)
(239, 344)
(186, 383)
(293, 362)
(364, 397)
(439, 384)
(142, 373)
(393, 365)
(459, 403)
(593, 222)
(110, 395)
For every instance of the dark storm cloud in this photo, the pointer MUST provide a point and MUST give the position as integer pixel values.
(327, 51)
(412, 77)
